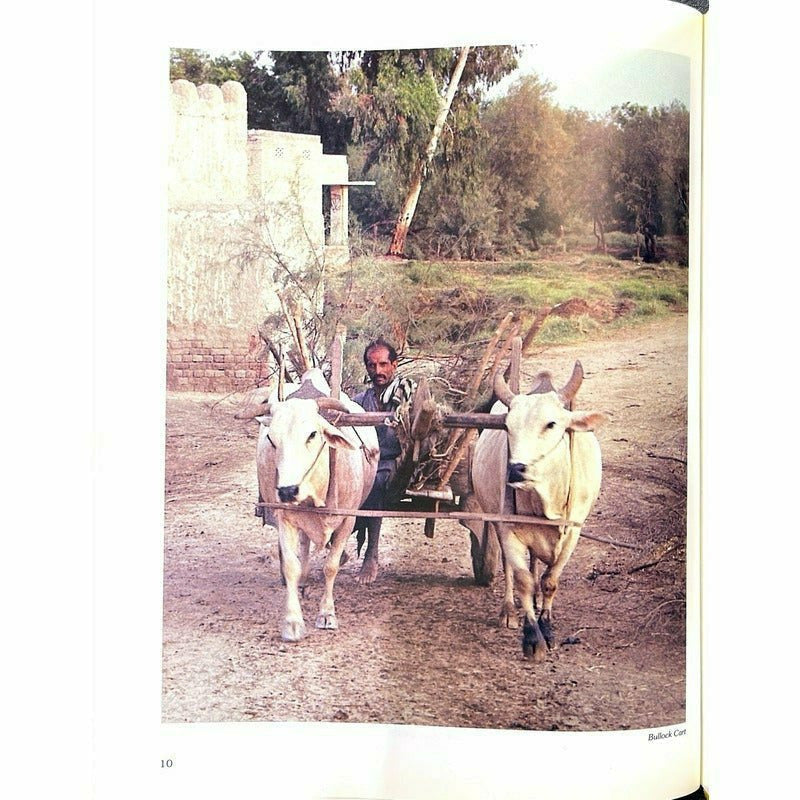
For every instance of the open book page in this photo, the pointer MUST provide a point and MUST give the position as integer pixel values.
(561, 196)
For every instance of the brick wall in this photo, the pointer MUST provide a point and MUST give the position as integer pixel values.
(214, 361)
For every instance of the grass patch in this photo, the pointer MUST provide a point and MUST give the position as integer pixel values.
(439, 307)
(652, 291)
(422, 273)
(562, 330)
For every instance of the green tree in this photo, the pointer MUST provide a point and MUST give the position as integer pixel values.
(650, 168)
(673, 166)
(588, 173)
(304, 98)
(528, 152)
(409, 119)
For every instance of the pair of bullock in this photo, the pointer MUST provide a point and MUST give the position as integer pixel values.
(553, 472)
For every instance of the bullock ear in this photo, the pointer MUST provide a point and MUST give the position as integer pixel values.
(587, 420)
(336, 437)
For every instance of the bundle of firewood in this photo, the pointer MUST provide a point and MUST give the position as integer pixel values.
(431, 452)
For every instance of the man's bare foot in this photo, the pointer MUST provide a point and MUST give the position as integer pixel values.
(369, 571)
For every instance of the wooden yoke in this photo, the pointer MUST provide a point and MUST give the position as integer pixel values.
(514, 385)
(337, 356)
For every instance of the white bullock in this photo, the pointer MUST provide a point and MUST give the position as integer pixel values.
(296, 465)
(550, 461)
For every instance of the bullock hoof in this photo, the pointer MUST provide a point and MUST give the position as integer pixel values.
(508, 617)
(327, 622)
(368, 573)
(533, 644)
(293, 630)
(547, 631)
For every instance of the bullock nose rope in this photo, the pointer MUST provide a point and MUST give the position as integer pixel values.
(319, 453)
(568, 505)
(562, 531)
(314, 462)
(567, 515)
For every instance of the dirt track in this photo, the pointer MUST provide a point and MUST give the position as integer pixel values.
(422, 644)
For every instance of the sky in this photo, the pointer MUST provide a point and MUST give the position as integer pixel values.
(595, 82)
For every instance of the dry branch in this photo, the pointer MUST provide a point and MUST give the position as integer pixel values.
(293, 316)
(651, 454)
(540, 316)
(657, 557)
(477, 378)
(455, 459)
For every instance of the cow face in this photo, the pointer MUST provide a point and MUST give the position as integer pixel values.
(537, 434)
(297, 442)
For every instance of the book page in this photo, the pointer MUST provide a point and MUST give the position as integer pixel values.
(419, 693)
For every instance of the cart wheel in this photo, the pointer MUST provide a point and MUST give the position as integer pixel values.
(485, 554)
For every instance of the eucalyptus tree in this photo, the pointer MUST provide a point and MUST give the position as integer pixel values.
(410, 106)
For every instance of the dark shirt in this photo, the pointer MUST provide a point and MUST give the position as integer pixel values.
(389, 400)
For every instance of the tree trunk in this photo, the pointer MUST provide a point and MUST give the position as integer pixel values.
(397, 247)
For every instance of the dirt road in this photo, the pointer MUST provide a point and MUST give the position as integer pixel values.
(422, 644)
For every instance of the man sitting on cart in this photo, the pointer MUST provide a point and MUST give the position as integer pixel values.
(388, 392)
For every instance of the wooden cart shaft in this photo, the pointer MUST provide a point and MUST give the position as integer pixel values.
(372, 418)
(399, 514)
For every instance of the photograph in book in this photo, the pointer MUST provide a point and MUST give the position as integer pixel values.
(491, 255)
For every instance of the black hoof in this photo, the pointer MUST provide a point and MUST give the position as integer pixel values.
(547, 631)
(529, 639)
(527, 650)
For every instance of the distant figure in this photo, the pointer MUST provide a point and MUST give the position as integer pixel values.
(649, 230)
(387, 393)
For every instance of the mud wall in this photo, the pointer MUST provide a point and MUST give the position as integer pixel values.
(244, 215)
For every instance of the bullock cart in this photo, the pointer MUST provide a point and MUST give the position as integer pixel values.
(443, 491)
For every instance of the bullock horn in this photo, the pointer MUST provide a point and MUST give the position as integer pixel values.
(573, 384)
(542, 384)
(331, 404)
(251, 412)
(502, 391)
